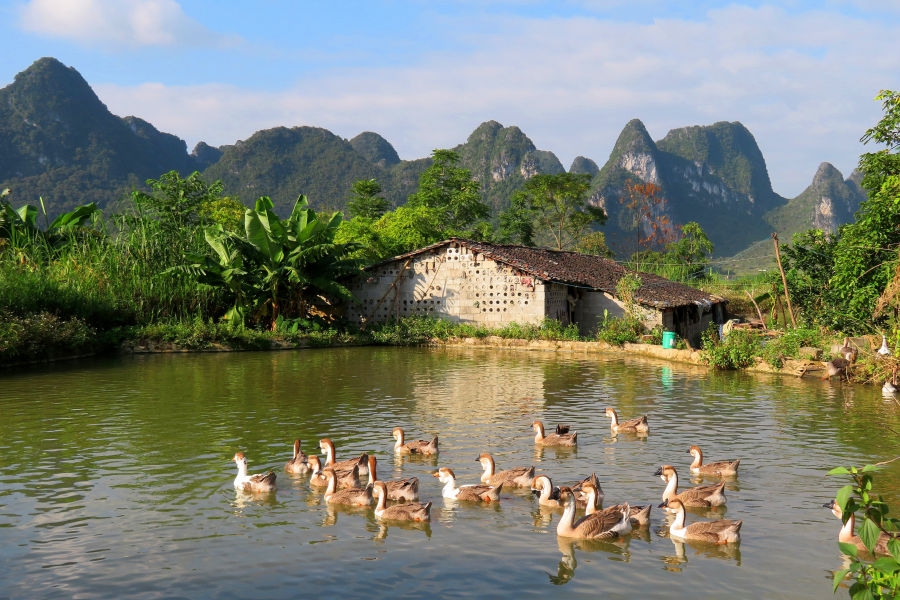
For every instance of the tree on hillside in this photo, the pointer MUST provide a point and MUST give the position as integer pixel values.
(693, 248)
(177, 201)
(595, 243)
(365, 200)
(554, 206)
(644, 213)
(451, 190)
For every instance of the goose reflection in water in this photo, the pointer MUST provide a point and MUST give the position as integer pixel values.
(557, 452)
(565, 570)
(705, 549)
(382, 533)
(243, 499)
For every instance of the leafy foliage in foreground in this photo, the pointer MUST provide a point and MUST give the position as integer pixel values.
(874, 580)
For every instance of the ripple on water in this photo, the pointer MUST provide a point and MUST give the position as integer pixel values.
(116, 479)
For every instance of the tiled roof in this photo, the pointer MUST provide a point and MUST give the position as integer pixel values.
(573, 268)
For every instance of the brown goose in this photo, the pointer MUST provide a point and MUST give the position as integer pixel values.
(554, 439)
(413, 511)
(836, 367)
(638, 425)
(639, 515)
(721, 531)
(581, 498)
(519, 476)
(848, 536)
(353, 496)
(848, 351)
(542, 487)
(362, 461)
(723, 467)
(252, 483)
(345, 479)
(416, 447)
(598, 526)
(298, 463)
(703, 496)
(403, 490)
(472, 493)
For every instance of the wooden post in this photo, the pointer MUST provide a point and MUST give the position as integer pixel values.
(758, 312)
(784, 281)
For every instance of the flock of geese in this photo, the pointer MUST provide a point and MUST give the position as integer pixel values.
(341, 483)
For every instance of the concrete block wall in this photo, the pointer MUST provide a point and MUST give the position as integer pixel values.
(453, 283)
(589, 311)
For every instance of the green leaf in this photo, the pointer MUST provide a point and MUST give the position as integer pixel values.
(838, 578)
(869, 533)
(894, 548)
(843, 496)
(863, 594)
(869, 468)
(848, 549)
(886, 565)
(838, 471)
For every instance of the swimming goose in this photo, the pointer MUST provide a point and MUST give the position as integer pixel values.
(298, 463)
(639, 515)
(547, 495)
(721, 531)
(473, 493)
(723, 467)
(252, 483)
(413, 511)
(888, 388)
(554, 439)
(355, 496)
(581, 498)
(703, 496)
(600, 525)
(519, 476)
(417, 447)
(327, 446)
(345, 479)
(638, 425)
(847, 535)
(404, 490)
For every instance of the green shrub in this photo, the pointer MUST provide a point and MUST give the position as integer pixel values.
(788, 345)
(37, 335)
(734, 352)
(617, 331)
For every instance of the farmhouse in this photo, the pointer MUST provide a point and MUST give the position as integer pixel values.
(492, 284)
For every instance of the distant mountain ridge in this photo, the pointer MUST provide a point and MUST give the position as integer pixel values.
(61, 142)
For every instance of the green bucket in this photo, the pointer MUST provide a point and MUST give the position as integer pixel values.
(668, 339)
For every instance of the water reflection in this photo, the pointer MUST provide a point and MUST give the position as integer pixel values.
(141, 488)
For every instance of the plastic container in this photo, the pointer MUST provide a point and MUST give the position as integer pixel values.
(668, 339)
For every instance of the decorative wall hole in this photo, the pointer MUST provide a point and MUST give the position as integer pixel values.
(504, 310)
(526, 302)
(520, 293)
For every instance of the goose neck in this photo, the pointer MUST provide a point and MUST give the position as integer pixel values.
(698, 459)
(242, 468)
(400, 439)
(615, 418)
(539, 432)
(488, 464)
(449, 490)
(846, 534)
(382, 500)
(332, 484)
(372, 476)
(567, 522)
(296, 448)
(679, 519)
(546, 490)
(671, 487)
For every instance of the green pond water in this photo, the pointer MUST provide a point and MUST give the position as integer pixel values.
(115, 478)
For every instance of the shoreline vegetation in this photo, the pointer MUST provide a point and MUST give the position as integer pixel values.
(187, 268)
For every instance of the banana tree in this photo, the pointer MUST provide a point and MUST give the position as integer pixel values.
(20, 226)
(276, 266)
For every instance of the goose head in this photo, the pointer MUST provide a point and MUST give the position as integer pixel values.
(397, 433)
(566, 496)
(444, 475)
(487, 461)
(539, 483)
(314, 463)
(694, 450)
(835, 509)
(665, 472)
(538, 427)
(674, 504)
(379, 489)
(326, 445)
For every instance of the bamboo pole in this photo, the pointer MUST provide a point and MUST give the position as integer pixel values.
(784, 281)
(758, 312)
(377, 306)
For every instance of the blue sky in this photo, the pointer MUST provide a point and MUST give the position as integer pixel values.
(801, 75)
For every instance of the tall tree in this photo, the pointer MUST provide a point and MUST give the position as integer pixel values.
(450, 189)
(366, 201)
(177, 201)
(557, 207)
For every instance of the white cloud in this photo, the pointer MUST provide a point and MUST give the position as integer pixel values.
(802, 83)
(128, 23)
